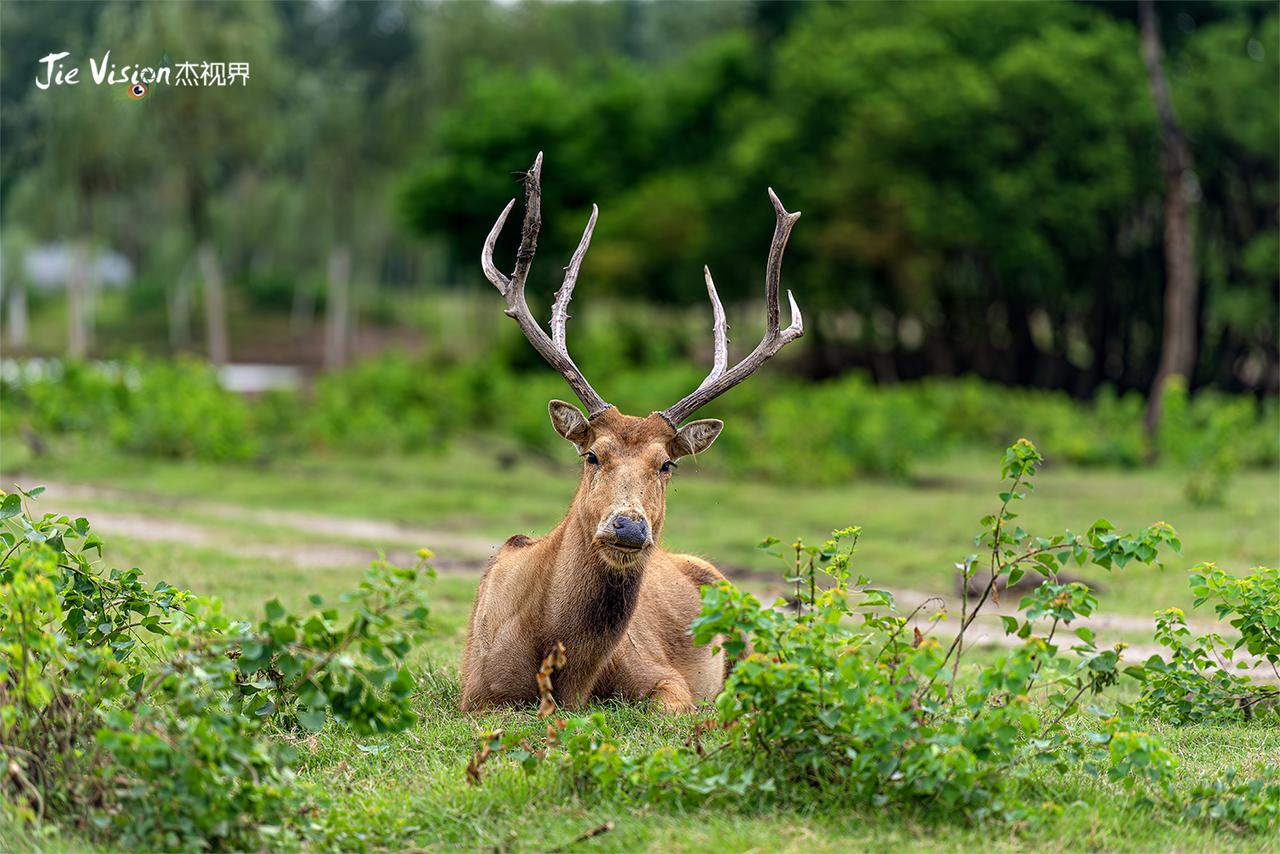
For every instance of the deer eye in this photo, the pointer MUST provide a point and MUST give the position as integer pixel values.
(592, 458)
(667, 467)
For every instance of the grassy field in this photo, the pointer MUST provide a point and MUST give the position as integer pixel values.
(293, 528)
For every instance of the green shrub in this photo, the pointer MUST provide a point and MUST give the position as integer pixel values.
(149, 718)
(837, 697)
(1212, 436)
(1197, 683)
(823, 432)
(162, 408)
(177, 409)
(54, 397)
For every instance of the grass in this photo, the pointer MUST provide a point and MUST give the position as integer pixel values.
(409, 790)
(915, 531)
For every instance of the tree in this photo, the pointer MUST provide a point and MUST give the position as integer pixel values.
(1227, 86)
(966, 173)
(82, 143)
(1178, 343)
(208, 133)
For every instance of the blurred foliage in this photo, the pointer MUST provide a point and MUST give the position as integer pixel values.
(980, 183)
(162, 408)
(850, 427)
(979, 180)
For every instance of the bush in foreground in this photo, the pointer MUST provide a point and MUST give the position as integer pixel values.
(151, 719)
(838, 697)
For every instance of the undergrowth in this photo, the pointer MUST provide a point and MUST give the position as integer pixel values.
(150, 719)
(403, 404)
(840, 698)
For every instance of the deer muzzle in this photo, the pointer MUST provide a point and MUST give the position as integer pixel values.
(625, 532)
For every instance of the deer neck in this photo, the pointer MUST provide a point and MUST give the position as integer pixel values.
(598, 595)
(590, 604)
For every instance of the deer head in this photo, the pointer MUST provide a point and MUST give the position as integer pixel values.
(627, 461)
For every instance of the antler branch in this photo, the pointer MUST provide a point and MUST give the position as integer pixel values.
(560, 311)
(554, 351)
(719, 380)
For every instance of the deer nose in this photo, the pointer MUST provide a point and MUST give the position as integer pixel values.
(630, 532)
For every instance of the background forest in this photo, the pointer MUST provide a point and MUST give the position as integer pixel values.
(981, 183)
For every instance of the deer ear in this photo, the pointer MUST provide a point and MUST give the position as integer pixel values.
(570, 423)
(695, 437)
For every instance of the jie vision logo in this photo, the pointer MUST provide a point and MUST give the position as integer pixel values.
(56, 69)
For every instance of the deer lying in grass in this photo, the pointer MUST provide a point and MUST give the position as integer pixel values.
(599, 582)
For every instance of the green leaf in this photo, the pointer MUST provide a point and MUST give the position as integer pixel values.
(11, 506)
(312, 719)
(275, 611)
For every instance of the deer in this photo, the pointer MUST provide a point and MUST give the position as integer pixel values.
(600, 582)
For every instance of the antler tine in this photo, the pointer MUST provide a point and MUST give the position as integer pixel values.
(773, 276)
(719, 329)
(491, 271)
(719, 381)
(513, 288)
(560, 311)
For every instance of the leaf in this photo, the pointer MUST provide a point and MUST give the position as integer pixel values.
(11, 506)
(31, 534)
(275, 611)
(314, 719)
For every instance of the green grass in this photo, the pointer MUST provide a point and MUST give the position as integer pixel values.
(409, 790)
(914, 532)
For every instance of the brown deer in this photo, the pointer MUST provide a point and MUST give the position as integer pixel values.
(599, 582)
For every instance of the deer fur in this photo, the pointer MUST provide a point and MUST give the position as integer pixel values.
(623, 616)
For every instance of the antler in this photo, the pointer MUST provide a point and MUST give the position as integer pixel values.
(553, 349)
(719, 380)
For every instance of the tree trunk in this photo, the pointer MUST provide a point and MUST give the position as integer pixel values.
(337, 321)
(1178, 341)
(77, 302)
(178, 299)
(215, 304)
(302, 311)
(16, 314)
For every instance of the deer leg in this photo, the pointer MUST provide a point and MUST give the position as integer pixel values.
(630, 676)
(673, 695)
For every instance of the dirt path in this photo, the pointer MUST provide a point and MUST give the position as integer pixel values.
(328, 542)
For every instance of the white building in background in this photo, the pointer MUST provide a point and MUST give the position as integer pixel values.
(52, 267)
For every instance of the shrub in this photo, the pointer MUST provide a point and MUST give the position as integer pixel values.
(1196, 683)
(148, 717)
(162, 408)
(396, 403)
(838, 696)
(178, 409)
